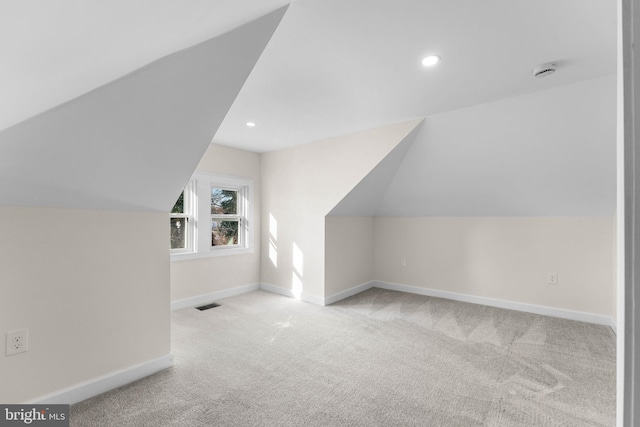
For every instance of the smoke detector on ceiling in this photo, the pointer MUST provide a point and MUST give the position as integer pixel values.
(544, 70)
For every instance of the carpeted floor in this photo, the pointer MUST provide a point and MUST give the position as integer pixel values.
(380, 358)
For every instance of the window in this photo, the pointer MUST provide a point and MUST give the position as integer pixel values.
(220, 221)
(183, 221)
(179, 225)
(227, 216)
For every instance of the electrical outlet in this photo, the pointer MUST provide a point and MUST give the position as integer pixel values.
(17, 342)
(403, 262)
(552, 278)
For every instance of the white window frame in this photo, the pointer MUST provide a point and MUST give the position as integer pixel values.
(202, 248)
(190, 203)
(240, 215)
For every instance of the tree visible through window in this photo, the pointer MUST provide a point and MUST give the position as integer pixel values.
(179, 224)
(226, 220)
(182, 218)
(212, 217)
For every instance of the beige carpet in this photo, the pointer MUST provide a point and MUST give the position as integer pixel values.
(381, 358)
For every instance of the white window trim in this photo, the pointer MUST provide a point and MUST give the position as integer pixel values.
(203, 182)
(190, 204)
(240, 216)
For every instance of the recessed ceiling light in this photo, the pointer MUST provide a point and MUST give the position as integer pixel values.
(430, 60)
(251, 124)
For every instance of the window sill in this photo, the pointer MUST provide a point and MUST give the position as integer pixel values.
(213, 253)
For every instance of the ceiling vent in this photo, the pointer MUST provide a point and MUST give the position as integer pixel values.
(545, 69)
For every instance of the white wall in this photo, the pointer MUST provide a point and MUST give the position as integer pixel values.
(349, 250)
(300, 185)
(133, 143)
(194, 277)
(548, 153)
(503, 258)
(364, 199)
(91, 286)
(490, 198)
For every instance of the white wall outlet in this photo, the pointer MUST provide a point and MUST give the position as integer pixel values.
(403, 262)
(17, 342)
(552, 278)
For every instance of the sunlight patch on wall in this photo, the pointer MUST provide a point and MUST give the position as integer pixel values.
(273, 227)
(296, 285)
(273, 253)
(273, 240)
(297, 274)
(298, 260)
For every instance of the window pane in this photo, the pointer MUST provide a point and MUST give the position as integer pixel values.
(224, 232)
(179, 233)
(179, 206)
(224, 201)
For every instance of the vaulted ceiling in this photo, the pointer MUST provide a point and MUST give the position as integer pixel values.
(331, 67)
(54, 51)
(339, 66)
(133, 143)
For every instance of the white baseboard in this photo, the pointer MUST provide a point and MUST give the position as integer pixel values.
(207, 298)
(277, 290)
(348, 293)
(598, 319)
(93, 387)
(312, 299)
(581, 316)
(87, 389)
(289, 293)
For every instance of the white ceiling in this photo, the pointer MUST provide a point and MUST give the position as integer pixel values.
(132, 144)
(548, 153)
(54, 51)
(332, 67)
(339, 66)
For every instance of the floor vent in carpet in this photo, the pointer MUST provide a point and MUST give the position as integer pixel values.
(208, 306)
